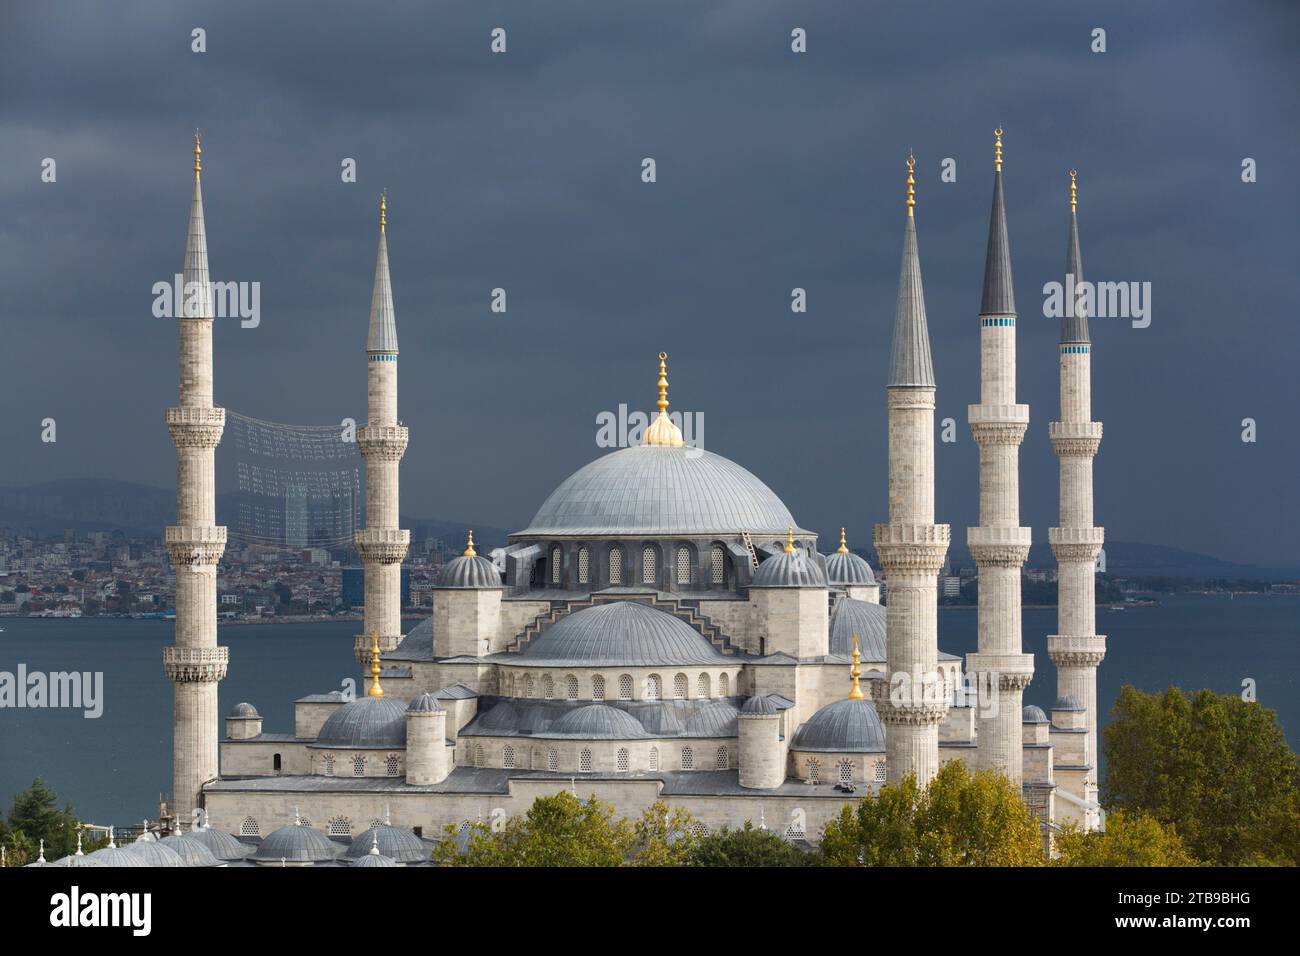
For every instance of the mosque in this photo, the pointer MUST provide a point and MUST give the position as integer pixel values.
(662, 630)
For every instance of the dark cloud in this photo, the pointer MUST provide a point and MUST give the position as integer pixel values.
(775, 171)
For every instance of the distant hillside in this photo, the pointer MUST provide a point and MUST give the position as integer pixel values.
(1135, 560)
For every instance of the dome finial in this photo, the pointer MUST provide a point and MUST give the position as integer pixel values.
(855, 693)
(469, 546)
(383, 210)
(375, 689)
(1074, 192)
(789, 540)
(198, 153)
(374, 844)
(843, 548)
(662, 431)
(997, 150)
(911, 182)
(297, 816)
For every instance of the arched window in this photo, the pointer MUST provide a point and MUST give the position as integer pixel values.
(795, 831)
(615, 565)
(724, 685)
(548, 686)
(508, 757)
(845, 769)
(688, 758)
(624, 759)
(375, 824)
(329, 765)
(598, 688)
(249, 827)
(717, 567)
(814, 770)
(584, 760)
(584, 565)
(552, 760)
(528, 685)
(478, 755)
(625, 687)
(275, 763)
(358, 766)
(679, 687)
(654, 758)
(340, 826)
(702, 686)
(683, 565)
(557, 565)
(880, 772)
(724, 759)
(699, 830)
(392, 765)
(649, 565)
(571, 687)
(653, 687)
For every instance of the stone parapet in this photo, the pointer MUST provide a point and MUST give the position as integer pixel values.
(195, 545)
(383, 442)
(1076, 544)
(911, 547)
(1070, 651)
(1075, 439)
(385, 545)
(195, 665)
(194, 426)
(999, 547)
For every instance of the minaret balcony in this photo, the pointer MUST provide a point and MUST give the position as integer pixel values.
(999, 547)
(192, 546)
(997, 414)
(1075, 439)
(383, 442)
(194, 426)
(195, 665)
(1076, 544)
(918, 548)
(1071, 651)
(385, 545)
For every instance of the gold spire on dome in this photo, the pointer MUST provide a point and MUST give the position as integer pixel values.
(997, 150)
(662, 431)
(1074, 191)
(198, 154)
(469, 546)
(375, 690)
(843, 548)
(911, 182)
(855, 692)
(789, 540)
(383, 211)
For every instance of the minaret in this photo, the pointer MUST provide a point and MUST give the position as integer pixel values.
(382, 544)
(195, 663)
(911, 546)
(999, 545)
(1076, 649)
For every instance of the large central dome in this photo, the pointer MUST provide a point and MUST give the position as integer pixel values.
(661, 490)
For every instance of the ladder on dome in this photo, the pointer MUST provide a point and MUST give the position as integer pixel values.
(749, 546)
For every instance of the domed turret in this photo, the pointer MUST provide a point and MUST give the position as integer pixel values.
(243, 722)
(427, 761)
(762, 752)
(466, 615)
(469, 570)
(788, 594)
(846, 570)
(792, 568)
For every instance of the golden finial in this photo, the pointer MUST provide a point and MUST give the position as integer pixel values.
(997, 150)
(911, 182)
(855, 693)
(383, 211)
(843, 548)
(662, 431)
(1074, 191)
(375, 689)
(198, 153)
(789, 540)
(469, 546)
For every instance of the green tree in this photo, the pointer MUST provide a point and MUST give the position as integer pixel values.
(34, 817)
(1130, 839)
(1217, 767)
(960, 819)
(559, 830)
(663, 837)
(747, 846)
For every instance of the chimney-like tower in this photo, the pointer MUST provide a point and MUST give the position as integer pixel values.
(194, 664)
(911, 546)
(999, 545)
(382, 544)
(1076, 649)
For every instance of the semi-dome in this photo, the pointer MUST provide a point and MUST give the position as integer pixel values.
(792, 568)
(296, 844)
(222, 845)
(1033, 714)
(191, 851)
(469, 571)
(717, 719)
(620, 633)
(598, 721)
(424, 704)
(845, 567)
(850, 726)
(243, 711)
(365, 723)
(395, 843)
(661, 490)
(863, 618)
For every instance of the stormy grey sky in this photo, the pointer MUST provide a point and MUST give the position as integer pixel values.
(775, 170)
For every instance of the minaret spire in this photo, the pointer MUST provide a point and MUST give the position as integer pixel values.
(911, 546)
(1074, 319)
(999, 545)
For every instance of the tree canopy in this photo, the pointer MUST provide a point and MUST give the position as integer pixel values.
(1130, 839)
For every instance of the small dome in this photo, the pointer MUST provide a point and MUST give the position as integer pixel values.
(863, 618)
(296, 844)
(397, 844)
(1033, 714)
(243, 711)
(154, 853)
(849, 726)
(191, 851)
(469, 572)
(761, 705)
(845, 567)
(713, 720)
(620, 633)
(375, 723)
(1067, 703)
(598, 721)
(115, 856)
(74, 860)
(424, 704)
(221, 844)
(375, 859)
(789, 569)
